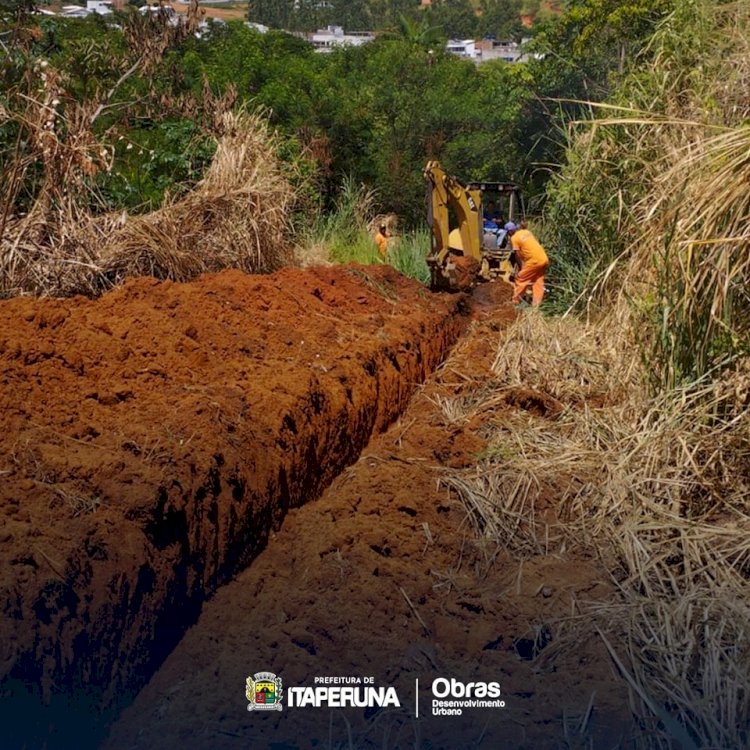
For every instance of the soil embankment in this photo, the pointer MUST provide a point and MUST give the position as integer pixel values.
(385, 576)
(153, 439)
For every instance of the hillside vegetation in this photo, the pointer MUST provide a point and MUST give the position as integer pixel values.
(105, 121)
(651, 373)
(452, 18)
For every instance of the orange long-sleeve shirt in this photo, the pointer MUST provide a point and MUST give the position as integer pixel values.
(381, 241)
(528, 249)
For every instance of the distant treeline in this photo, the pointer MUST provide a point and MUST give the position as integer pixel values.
(373, 114)
(455, 18)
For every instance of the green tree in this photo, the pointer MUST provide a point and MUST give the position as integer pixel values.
(530, 7)
(419, 33)
(500, 18)
(581, 55)
(385, 13)
(601, 35)
(308, 15)
(457, 18)
(17, 8)
(275, 13)
(404, 105)
(353, 15)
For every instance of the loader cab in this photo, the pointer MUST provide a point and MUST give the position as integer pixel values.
(503, 197)
(501, 203)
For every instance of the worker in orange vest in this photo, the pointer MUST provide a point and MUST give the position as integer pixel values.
(534, 262)
(381, 240)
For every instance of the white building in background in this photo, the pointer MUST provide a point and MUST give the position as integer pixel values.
(463, 48)
(320, 5)
(74, 11)
(102, 7)
(490, 49)
(332, 37)
(259, 27)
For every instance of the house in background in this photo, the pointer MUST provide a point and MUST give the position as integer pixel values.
(463, 48)
(325, 40)
(74, 11)
(102, 7)
(259, 27)
(492, 49)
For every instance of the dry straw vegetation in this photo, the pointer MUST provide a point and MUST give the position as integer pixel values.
(654, 485)
(58, 241)
(237, 216)
(646, 464)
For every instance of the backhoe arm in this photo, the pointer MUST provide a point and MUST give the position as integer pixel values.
(444, 192)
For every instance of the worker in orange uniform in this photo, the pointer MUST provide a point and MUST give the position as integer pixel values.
(534, 263)
(381, 240)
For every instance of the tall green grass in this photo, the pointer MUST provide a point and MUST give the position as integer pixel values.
(409, 252)
(346, 234)
(649, 216)
(341, 235)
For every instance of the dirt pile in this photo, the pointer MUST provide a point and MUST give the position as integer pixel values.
(152, 439)
(385, 576)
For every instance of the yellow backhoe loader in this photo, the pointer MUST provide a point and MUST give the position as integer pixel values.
(456, 217)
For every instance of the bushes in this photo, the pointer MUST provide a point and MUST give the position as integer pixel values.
(650, 210)
(153, 160)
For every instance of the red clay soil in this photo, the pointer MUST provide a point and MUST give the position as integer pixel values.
(153, 438)
(385, 576)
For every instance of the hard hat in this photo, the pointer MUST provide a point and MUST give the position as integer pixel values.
(510, 227)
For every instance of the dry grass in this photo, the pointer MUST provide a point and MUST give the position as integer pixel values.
(502, 507)
(658, 489)
(584, 357)
(655, 481)
(237, 216)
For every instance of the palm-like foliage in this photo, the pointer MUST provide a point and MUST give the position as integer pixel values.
(418, 33)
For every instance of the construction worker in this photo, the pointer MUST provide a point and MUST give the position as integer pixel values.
(381, 240)
(534, 262)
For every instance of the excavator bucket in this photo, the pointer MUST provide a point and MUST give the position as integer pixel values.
(458, 273)
(440, 279)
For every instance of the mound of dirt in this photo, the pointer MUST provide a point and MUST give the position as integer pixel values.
(153, 439)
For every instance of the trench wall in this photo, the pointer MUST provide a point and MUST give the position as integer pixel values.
(154, 438)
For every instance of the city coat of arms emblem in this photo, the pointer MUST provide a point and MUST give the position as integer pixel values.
(264, 692)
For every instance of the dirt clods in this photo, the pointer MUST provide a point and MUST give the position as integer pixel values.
(153, 439)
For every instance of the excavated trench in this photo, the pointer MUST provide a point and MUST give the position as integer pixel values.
(385, 577)
(153, 439)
